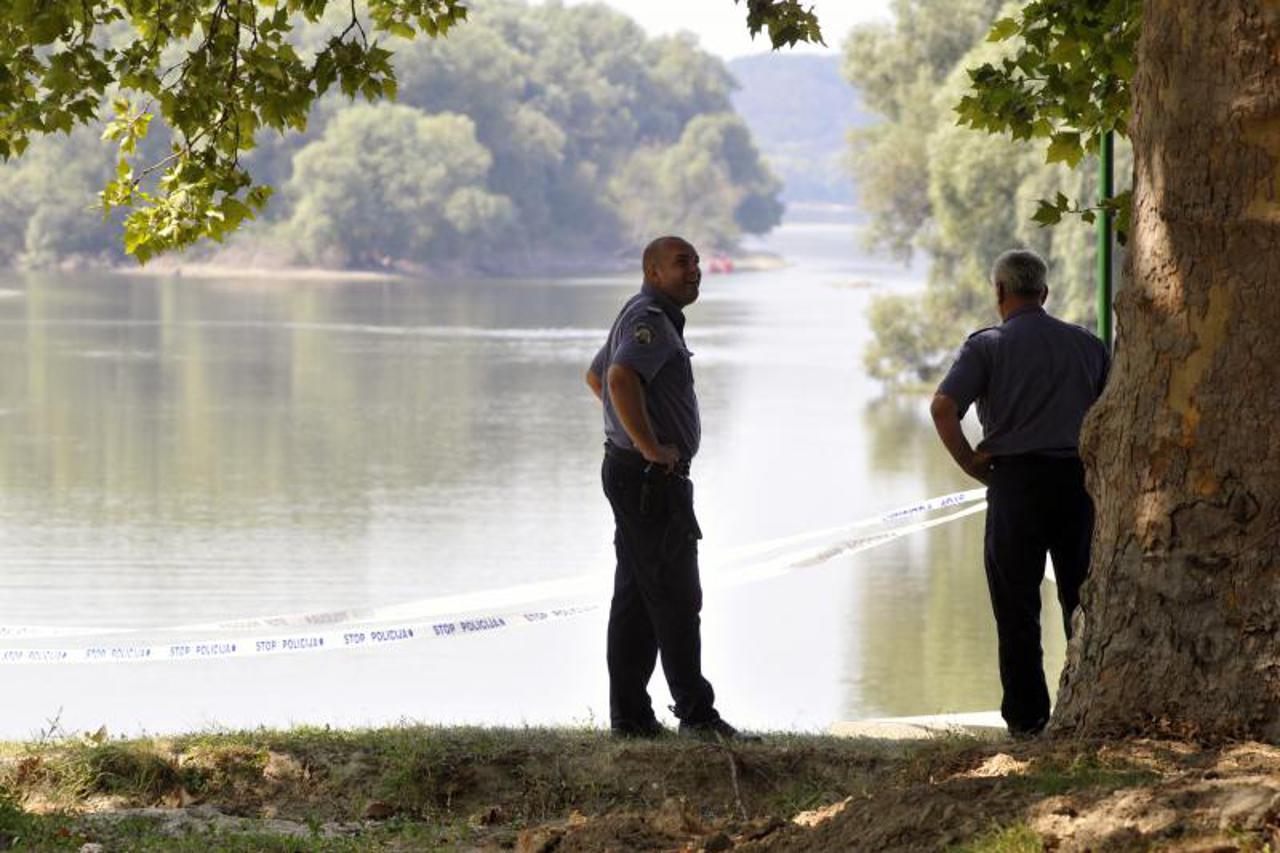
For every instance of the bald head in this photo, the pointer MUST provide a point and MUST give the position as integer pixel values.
(657, 249)
(671, 265)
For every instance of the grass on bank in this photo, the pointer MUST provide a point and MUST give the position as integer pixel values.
(431, 785)
(422, 772)
(419, 787)
(1084, 772)
(1018, 838)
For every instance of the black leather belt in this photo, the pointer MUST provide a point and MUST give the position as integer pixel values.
(1032, 459)
(635, 459)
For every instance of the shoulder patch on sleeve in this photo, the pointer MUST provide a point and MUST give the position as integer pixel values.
(642, 333)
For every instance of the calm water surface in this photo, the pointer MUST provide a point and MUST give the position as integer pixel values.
(177, 450)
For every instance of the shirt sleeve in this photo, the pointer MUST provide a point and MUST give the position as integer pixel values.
(600, 363)
(967, 379)
(645, 343)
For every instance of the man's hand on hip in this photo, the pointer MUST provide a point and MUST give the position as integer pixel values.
(946, 419)
(978, 466)
(665, 456)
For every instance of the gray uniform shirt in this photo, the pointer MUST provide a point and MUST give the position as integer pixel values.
(648, 337)
(1034, 377)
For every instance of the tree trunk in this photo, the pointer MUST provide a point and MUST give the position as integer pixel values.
(1180, 622)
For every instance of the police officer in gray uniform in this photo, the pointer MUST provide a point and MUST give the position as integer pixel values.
(644, 378)
(1033, 377)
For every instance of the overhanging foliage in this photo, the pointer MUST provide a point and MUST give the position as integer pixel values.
(1068, 82)
(215, 72)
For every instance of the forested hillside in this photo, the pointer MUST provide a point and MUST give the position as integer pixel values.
(532, 135)
(800, 112)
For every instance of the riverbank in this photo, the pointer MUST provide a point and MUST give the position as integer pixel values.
(260, 268)
(565, 790)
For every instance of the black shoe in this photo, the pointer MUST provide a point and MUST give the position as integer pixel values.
(640, 731)
(1030, 732)
(715, 731)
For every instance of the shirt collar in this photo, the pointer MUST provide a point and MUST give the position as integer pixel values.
(1026, 309)
(670, 308)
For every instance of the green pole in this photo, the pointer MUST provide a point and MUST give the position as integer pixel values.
(1106, 188)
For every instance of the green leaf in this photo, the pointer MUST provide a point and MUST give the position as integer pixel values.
(1066, 50)
(1047, 214)
(1065, 148)
(1003, 29)
(134, 238)
(1123, 66)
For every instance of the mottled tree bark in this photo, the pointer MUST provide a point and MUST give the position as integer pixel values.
(1180, 622)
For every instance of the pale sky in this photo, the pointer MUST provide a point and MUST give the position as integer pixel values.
(721, 25)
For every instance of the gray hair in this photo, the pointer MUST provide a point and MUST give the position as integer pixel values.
(1022, 272)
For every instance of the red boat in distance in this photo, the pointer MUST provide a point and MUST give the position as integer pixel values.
(720, 263)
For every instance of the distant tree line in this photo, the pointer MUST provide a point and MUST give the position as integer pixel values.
(959, 196)
(531, 133)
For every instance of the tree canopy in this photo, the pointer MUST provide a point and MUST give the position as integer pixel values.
(216, 72)
(386, 181)
(568, 107)
(1067, 81)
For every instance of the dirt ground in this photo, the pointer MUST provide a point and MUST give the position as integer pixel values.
(538, 791)
(1133, 795)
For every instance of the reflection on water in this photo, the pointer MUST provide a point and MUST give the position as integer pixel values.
(179, 450)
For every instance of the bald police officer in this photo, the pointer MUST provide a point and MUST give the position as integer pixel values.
(1033, 378)
(644, 378)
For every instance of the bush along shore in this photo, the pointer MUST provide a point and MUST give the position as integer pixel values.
(422, 788)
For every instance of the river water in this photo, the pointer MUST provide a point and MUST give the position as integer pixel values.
(179, 450)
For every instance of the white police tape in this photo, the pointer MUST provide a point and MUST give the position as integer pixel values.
(893, 516)
(208, 649)
(472, 623)
(511, 596)
(846, 547)
(440, 605)
(241, 647)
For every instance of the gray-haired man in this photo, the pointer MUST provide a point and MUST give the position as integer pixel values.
(1033, 377)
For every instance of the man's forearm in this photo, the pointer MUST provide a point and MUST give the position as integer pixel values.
(946, 420)
(953, 438)
(626, 392)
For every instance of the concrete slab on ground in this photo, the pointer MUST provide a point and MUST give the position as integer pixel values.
(987, 725)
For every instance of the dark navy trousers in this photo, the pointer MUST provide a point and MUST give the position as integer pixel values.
(1036, 505)
(657, 594)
